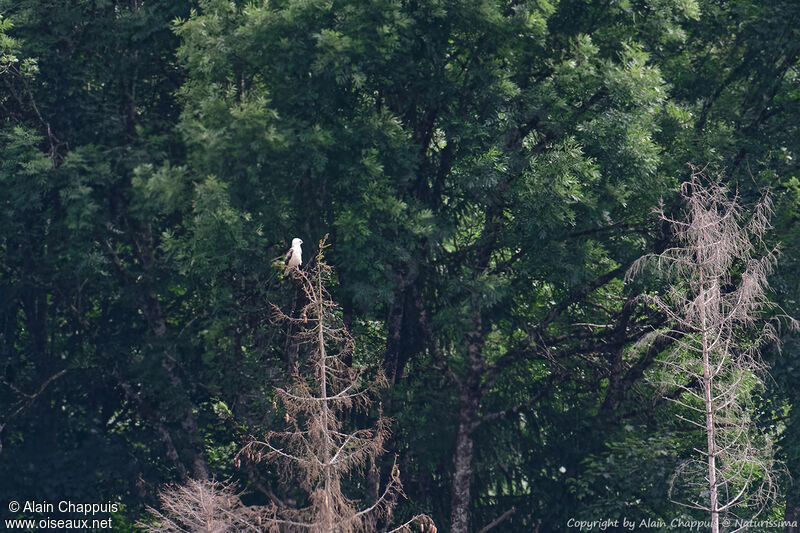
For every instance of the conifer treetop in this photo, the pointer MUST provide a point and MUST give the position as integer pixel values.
(316, 451)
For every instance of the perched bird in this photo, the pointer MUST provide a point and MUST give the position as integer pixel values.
(294, 257)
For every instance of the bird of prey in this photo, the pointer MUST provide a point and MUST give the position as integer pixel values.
(294, 257)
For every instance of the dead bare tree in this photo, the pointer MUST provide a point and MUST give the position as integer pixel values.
(205, 506)
(715, 305)
(315, 452)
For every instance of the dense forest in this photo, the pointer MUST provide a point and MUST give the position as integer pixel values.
(503, 186)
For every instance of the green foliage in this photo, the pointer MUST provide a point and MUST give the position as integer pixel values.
(493, 162)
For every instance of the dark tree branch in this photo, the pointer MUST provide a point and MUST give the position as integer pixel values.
(577, 295)
(497, 521)
(27, 401)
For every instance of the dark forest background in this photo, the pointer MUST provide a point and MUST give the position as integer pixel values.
(487, 172)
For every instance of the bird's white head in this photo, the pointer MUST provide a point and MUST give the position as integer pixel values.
(296, 242)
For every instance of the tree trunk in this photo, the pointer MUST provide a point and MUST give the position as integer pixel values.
(708, 395)
(391, 362)
(792, 514)
(148, 412)
(34, 306)
(469, 400)
(462, 477)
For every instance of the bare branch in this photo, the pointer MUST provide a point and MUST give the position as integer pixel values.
(497, 520)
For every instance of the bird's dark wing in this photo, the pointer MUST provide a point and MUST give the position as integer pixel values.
(288, 255)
